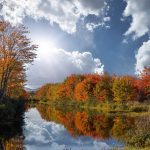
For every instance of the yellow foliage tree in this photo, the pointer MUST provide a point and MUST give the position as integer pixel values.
(123, 88)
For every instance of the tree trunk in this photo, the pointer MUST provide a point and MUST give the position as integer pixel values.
(4, 83)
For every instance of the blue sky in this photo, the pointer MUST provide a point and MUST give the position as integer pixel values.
(83, 36)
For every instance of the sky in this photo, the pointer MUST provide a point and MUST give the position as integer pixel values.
(83, 36)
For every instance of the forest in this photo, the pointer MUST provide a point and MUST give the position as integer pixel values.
(98, 88)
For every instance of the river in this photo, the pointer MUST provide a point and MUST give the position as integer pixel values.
(47, 128)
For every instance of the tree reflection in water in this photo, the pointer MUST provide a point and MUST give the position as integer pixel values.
(133, 131)
(11, 134)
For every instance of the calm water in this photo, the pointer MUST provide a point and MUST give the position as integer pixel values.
(47, 128)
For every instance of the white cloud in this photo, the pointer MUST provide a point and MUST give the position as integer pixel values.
(143, 57)
(53, 65)
(139, 10)
(106, 19)
(66, 13)
(91, 26)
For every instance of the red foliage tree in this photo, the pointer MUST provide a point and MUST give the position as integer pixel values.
(143, 84)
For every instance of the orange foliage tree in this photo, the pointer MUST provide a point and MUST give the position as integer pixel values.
(85, 89)
(16, 50)
(66, 89)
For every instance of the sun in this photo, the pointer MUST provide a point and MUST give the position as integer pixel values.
(44, 44)
(46, 49)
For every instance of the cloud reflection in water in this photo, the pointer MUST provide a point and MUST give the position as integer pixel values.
(43, 135)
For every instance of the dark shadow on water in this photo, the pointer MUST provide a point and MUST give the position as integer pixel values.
(11, 125)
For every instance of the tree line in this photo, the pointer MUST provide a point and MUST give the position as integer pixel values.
(99, 88)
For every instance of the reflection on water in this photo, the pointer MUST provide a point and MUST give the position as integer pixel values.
(40, 134)
(11, 134)
(47, 128)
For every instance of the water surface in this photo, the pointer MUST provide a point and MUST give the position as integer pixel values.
(48, 128)
(49, 135)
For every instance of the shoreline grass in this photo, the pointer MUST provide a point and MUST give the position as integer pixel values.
(134, 108)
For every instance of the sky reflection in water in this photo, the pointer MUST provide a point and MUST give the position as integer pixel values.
(42, 135)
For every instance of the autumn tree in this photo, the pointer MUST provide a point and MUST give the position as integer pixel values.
(52, 92)
(143, 84)
(41, 93)
(16, 51)
(16, 82)
(85, 89)
(67, 88)
(123, 89)
(47, 92)
(103, 90)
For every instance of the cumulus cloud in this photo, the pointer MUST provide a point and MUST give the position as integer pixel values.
(66, 13)
(53, 65)
(139, 10)
(143, 57)
(140, 25)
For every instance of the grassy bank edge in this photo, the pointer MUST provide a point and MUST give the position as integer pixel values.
(134, 108)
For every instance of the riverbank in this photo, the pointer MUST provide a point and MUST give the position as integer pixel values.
(135, 148)
(134, 108)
